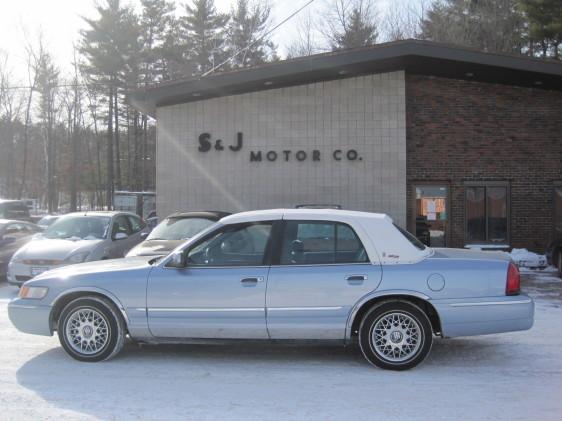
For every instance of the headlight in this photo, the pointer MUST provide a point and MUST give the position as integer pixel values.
(78, 257)
(33, 293)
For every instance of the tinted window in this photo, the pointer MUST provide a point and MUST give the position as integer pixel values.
(486, 214)
(121, 225)
(315, 242)
(411, 238)
(241, 245)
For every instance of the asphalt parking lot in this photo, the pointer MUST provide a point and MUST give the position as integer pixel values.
(510, 376)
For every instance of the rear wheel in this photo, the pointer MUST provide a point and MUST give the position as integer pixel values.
(395, 335)
(90, 329)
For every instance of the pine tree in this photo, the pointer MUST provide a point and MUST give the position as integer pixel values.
(203, 35)
(489, 25)
(247, 43)
(545, 25)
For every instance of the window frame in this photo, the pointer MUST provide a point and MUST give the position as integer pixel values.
(487, 184)
(278, 246)
(267, 257)
(556, 185)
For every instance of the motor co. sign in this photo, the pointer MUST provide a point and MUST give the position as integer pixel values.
(206, 144)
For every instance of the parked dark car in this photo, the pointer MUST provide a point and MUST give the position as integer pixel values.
(13, 235)
(174, 230)
(14, 209)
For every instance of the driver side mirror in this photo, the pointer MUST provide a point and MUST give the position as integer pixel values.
(178, 260)
(120, 236)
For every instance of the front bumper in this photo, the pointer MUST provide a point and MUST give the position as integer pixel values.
(19, 273)
(485, 316)
(29, 316)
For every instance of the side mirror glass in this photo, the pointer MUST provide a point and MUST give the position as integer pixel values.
(178, 260)
(144, 235)
(120, 236)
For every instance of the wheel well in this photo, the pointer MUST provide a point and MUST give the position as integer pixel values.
(424, 305)
(64, 300)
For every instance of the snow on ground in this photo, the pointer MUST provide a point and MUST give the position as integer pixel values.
(510, 376)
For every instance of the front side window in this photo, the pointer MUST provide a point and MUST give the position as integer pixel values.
(121, 225)
(136, 223)
(486, 214)
(319, 242)
(239, 245)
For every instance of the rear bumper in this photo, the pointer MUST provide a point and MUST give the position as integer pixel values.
(485, 316)
(30, 317)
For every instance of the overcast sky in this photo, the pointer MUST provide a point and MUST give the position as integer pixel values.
(60, 21)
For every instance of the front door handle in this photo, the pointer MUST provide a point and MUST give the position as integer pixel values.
(355, 279)
(251, 281)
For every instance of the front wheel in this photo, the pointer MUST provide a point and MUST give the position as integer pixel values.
(395, 335)
(90, 329)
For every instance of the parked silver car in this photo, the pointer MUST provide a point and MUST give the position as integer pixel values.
(76, 238)
(299, 274)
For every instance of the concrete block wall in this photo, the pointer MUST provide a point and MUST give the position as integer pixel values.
(364, 114)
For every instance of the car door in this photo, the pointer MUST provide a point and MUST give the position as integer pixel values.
(321, 272)
(120, 246)
(139, 231)
(221, 291)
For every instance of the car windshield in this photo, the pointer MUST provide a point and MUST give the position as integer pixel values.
(80, 227)
(417, 243)
(179, 228)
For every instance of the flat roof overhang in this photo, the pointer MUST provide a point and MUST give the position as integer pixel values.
(412, 56)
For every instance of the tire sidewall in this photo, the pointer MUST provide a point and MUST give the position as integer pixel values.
(371, 318)
(113, 328)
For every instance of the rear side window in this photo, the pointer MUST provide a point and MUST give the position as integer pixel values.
(320, 242)
(136, 223)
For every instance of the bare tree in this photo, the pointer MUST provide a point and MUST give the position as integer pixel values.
(402, 19)
(351, 24)
(307, 41)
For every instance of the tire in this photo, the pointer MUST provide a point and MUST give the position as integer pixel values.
(395, 349)
(90, 329)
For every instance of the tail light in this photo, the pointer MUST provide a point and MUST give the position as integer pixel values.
(513, 284)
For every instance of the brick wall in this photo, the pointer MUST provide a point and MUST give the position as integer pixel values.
(461, 131)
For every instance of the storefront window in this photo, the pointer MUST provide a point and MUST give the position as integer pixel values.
(432, 215)
(486, 214)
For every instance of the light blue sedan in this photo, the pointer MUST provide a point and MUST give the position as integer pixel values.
(298, 274)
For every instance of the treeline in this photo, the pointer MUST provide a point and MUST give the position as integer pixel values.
(71, 140)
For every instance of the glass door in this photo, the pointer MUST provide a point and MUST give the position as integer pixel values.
(432, 214)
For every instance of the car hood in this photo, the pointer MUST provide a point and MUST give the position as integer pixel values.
(154, 247)
(54, 249)
(97, 267)
(447, 253)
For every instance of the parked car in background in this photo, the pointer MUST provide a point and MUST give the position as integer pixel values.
(174, 230)
(296, 274)
(47, 220)
(14, 209)
(75, 238)
(13, 235)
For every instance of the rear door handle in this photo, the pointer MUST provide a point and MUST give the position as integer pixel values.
(355, 279)
(251, 281)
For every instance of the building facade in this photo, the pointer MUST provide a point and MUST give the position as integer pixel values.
(460, 147)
